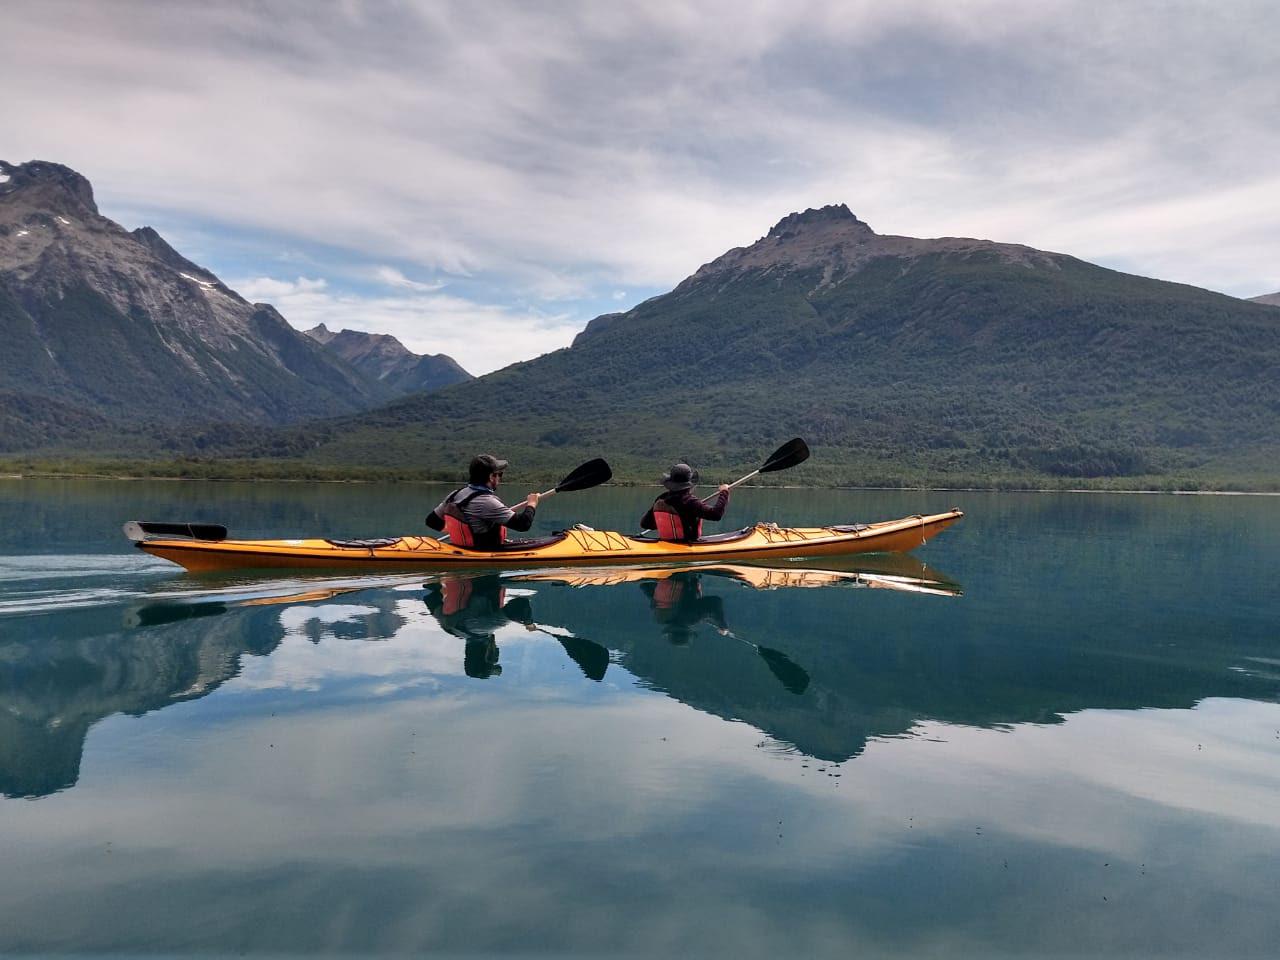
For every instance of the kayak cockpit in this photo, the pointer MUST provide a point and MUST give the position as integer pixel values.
(729, 536)
(517, 546)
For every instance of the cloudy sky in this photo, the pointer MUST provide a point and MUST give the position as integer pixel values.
(481, 179)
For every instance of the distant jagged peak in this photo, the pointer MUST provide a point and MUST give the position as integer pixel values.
(47, 186)
(383, 357)
(837, 215)
(359, 340)
(320, 333)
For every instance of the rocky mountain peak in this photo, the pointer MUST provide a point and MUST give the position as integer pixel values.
(829, 237)
(159, 247)
(836, 243)
(822, 218)
(384, 358)
(117, 325)
(48, 186)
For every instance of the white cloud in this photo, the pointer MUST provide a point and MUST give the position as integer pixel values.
(566, 156)
(482, 337)
(394, 278)
(261, 289)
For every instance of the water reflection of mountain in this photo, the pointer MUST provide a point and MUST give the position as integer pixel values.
(819, 659)
(54, 687)
(885, 660)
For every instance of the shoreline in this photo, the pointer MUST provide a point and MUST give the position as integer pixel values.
(135, 478)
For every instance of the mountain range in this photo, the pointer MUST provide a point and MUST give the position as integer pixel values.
(108, 331)
(902, 360)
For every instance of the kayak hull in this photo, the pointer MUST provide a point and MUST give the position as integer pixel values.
(577, 547)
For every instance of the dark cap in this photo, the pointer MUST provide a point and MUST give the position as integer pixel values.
(681, 476)
(483, 465)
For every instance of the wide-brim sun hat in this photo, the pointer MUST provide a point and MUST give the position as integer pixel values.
(681, 476)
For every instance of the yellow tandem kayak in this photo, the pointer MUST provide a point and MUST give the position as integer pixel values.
(202, 548)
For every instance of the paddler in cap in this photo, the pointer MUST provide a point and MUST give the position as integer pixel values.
(677, 514)
(474, 516)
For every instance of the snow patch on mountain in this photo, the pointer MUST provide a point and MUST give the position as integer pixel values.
(204, 283)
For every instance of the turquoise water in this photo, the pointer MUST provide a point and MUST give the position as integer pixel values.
(1052, 731)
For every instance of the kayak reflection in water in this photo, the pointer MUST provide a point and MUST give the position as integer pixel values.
(677, 515)
(474, 608)
(678, 605)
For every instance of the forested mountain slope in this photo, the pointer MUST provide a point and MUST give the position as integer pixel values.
(900, 359)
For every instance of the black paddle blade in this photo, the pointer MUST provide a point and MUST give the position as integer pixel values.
(590, 474)
(789, 674)
(591, 658)
(788, 455)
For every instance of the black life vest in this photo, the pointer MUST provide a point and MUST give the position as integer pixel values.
(455, 521)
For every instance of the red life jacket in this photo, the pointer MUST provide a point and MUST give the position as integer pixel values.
(667, 594)
(456, 593)
(455, 521)
(669, 523)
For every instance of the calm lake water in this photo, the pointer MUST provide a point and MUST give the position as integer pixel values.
(1052, 731)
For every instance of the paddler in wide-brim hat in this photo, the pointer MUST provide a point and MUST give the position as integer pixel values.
(677, 515)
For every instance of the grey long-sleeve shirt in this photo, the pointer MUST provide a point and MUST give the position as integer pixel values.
(485, 513)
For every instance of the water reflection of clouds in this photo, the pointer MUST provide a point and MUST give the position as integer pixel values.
(434, 806)
(294, 619)
(1203, 760)
(410, 651)
(1112, 783)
